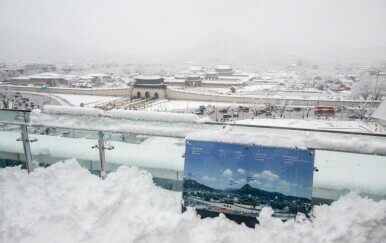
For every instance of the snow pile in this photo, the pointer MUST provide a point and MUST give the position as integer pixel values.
(127, 114)
(70, 110)
(156, 116)
(38, 118)
(316, 141)
(87, 100)
(65, 203)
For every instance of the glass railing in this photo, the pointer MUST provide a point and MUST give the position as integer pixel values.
(14, 115)
(59, 144)
(11, 150)
(102, 150)
(161, 156)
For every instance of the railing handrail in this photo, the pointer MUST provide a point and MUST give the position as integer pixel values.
(220, 123)
(299, 129)
(183, 136)
(223, 124)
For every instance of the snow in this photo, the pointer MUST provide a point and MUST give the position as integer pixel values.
(127, 114)
(87, 100)
(254, 88)
(52, 109)
(183, 105)
(65, 203)
(335, 125)
(148, 77)
(195, 131)
(351, 143)
(156, 116)
(337, 171)
(380, 112)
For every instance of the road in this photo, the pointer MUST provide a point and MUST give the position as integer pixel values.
(43, 99)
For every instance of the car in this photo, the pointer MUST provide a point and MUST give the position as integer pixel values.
(353, 116)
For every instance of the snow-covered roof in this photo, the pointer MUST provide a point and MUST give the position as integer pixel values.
(46, 76)
(148, 76)
(196, 68)
(98, 75)
(194, 76)
(223, 66)
(86, 77)
(20, 78)
(212, 72)
(380, 112)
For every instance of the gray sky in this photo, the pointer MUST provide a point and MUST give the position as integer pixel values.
(152, 26)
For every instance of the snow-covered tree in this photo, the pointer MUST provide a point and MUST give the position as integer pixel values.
(5, 97)
(361, 110)
(369, 87)
(280, 110)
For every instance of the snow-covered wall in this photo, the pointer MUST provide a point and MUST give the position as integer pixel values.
(186, 95)
(83, 91)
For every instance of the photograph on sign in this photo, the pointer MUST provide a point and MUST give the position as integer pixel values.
(239, 180)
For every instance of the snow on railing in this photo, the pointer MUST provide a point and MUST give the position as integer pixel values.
(348, 143)
(128, 114)
(351, 143)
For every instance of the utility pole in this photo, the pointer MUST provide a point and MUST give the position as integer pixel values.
(375, 89)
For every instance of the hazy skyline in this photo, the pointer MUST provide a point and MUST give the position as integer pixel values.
(146, 27)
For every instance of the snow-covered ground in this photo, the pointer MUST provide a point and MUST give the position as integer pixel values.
(65, 203)
(181, 105)
(87, 100)
(337, 125)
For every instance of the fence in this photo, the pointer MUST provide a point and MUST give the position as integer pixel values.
(350, 162)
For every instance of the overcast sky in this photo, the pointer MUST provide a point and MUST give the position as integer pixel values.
(151, 26)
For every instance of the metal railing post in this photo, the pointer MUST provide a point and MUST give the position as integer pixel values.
(27, 149)
(101, 147)
(102, 156)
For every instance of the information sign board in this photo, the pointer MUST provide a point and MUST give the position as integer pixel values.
(239, 180)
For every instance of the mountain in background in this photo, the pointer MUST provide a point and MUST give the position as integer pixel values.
(217, 48)
(194, 185)
(249, 190)
(220, 48)
(246, 190)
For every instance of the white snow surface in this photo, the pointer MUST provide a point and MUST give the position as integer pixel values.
(128, 114)
(380, 112)
(65, 203)
(334, 125)
(87, 100)
(350, 144)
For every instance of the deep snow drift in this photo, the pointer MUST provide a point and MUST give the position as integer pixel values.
(65, 203)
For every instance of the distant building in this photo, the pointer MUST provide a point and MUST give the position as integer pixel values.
(39, 68)
(224, 70)
(149, 86)
(100, 78)
(197, 69)
(49, 79)
(193, 80)
(211, 76)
